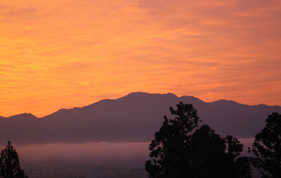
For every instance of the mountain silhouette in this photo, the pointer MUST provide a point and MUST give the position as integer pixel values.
(132, 118)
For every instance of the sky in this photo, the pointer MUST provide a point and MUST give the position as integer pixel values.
(68, 53)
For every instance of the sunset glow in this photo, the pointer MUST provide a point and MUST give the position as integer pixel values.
(67, 53)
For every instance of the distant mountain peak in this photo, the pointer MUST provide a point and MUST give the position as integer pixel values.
(191, 99)
(141, 94)
(170, 94)
(23, 116)
(229, 102)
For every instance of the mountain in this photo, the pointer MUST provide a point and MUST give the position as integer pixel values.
(135, 117)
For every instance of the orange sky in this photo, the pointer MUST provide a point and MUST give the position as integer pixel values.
(61, 54)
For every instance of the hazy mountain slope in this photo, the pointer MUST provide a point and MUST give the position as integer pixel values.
(134, 117)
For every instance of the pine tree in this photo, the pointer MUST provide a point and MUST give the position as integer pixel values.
(183, 149)
(170, 148)
(267, 148)
(9, 163)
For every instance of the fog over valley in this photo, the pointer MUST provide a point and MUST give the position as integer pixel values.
(88, 155)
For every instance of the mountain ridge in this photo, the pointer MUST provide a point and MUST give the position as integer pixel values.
(132, 118)
(136, 93)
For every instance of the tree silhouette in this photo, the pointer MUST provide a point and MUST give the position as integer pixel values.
(170, 148)
(214, 156)
(267, 148)
(235, 165)
(207, 154)
(183, 149)
(9, 163)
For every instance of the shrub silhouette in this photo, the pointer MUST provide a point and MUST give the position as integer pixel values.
(9, 163)
(183, 149)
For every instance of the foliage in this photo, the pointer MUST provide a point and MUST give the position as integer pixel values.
(183, 149)
(9, 163)
(235, 165)
(267, 148)
(207, 153)
(214, 156)
(170, 148)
